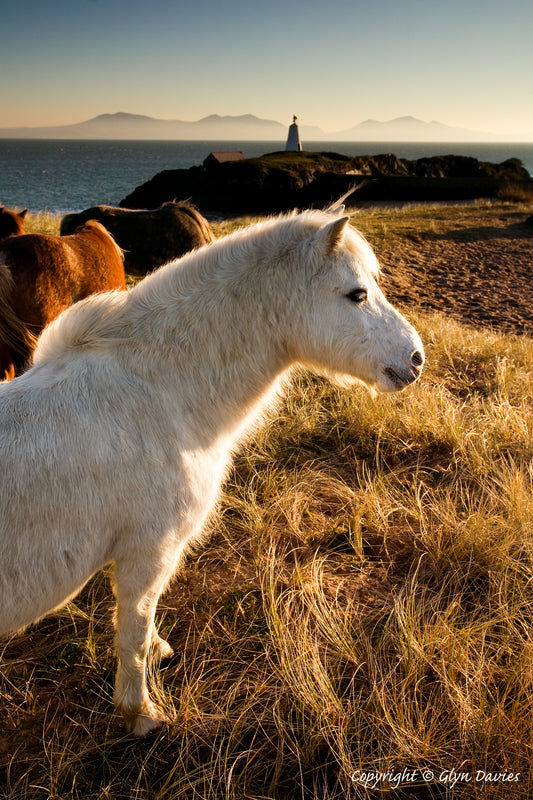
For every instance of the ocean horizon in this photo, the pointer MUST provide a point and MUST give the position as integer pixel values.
(65, 175)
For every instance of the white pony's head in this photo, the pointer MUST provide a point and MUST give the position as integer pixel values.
(349, 328)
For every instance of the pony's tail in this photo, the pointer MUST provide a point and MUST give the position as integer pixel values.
(206, 228)
(193, 212)
(15, 334)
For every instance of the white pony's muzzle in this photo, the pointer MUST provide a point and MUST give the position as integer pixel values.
(396, 377)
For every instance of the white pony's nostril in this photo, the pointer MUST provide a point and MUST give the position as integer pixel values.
(417, 359)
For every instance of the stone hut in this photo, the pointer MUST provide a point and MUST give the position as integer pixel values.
(214, 159)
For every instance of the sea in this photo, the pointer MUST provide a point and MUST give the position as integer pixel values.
(60, 176)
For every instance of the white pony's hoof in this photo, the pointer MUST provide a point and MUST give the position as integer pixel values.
(161, 648)
(148, 720)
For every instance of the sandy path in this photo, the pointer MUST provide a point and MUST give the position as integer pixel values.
(480, 274)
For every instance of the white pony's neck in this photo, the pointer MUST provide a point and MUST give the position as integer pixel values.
(212, 314)
(211, 328)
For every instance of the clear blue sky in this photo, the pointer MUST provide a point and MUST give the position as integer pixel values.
(333, 63)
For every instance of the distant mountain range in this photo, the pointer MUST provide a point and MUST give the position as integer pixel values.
(409, 129)
(246, 127)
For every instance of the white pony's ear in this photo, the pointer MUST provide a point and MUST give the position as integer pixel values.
(332, 234)
(338, 211)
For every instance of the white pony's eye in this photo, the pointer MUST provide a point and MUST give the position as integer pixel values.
(357, 295)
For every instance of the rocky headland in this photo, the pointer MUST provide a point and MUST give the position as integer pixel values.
(282, 181)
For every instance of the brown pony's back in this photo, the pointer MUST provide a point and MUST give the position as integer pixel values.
(41, 275)
(11, 222)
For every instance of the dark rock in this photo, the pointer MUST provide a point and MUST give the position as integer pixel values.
(282, 181)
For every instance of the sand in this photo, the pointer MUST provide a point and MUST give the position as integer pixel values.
(477, 268)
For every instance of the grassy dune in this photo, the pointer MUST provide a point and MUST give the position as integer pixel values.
(364, 603)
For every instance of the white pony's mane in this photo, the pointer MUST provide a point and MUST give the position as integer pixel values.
(100, 319)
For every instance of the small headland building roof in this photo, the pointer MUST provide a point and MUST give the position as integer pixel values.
(214, 159)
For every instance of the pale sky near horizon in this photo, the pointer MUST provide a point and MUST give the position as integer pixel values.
(466, 63)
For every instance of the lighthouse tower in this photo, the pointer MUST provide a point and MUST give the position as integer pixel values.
(293, 139)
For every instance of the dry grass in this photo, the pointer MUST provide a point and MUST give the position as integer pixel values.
(411, 221)
(44, 222)
(364, 603)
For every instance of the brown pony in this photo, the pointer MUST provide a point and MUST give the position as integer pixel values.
(41, 275)
(148, 238)
(11, 223)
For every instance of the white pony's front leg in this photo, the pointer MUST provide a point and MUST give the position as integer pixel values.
(137, 586)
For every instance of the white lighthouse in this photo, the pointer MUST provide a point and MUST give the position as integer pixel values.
(293, 139)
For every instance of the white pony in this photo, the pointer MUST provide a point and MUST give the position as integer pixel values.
(114, 444)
